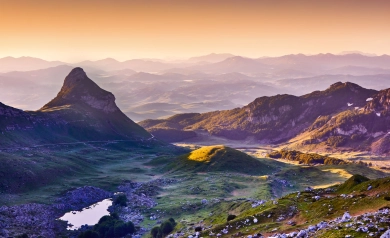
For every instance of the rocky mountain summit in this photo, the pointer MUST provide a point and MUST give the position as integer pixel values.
(81, 111)
(78, 88)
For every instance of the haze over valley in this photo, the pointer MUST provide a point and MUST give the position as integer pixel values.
(152, 89)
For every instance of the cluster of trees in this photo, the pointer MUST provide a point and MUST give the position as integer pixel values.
(363, 163)
(120, 200)
(336, 141)
(305, 158)
(109, 227)
(164, 229)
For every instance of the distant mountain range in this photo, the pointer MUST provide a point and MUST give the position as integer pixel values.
(210, 58)
(215, 63)
(81, 111)
(9, 64)
(154, 89)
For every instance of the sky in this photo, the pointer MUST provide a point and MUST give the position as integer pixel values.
(71, 30)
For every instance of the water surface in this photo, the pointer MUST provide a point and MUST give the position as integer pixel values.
(89, 215)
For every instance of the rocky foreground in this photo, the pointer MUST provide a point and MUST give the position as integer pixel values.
(372, 224)
(41, 220)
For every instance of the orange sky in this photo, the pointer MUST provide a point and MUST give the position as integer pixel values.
(73, 30)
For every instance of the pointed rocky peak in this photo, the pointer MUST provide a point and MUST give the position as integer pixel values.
(79, 89)
(76, 78)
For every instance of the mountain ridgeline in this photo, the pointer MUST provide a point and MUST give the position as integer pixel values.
(268, 119)
(81, 111)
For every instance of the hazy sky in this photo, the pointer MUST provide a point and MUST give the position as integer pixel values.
(73, 30)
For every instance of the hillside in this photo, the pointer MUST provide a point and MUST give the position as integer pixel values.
(81, 111)
(362, 211)
(268, 119)
(362, 128)
(219, 159)
(68, 136)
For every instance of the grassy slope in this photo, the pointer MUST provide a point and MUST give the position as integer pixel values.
(223, 159)
(227, 192)
(38, 174)
(303, 210)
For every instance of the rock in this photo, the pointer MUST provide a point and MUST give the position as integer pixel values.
(346, 217)
(312, 228)
(309, 189)
(301, 233)
(386, 234)
(316, 198)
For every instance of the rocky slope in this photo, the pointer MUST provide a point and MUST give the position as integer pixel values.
(82, 111)
(268, 119)
(360, 211)
(363, 128)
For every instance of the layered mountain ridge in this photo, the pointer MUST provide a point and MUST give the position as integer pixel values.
(345, 115)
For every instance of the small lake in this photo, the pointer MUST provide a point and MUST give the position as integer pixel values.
(89, 215)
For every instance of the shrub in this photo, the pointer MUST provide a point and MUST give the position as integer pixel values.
(198, 228)
(165, 228)
(274, 155)
(336, 141)
(89, 234)
(307, 158)
(231, 217)
(172, 221)
(155, 231)
(105, 218)
(22, 236)
(111, 226)
(121, 200)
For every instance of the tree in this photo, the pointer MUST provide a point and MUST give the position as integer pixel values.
(121, 200)
(111, 226)
(166, 227)
(89, 234)
(155, 231)
(130, 227)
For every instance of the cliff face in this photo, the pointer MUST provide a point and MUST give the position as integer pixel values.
(380, 103)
